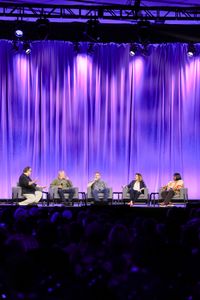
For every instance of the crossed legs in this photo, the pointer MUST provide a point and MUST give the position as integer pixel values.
(167, 196)
(31, 198)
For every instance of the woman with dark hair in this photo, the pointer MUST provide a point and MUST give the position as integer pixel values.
(172, 188)
(136, 188)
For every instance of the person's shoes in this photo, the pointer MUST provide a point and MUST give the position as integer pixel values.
(170, 204)
(162, 204)
(131, 203)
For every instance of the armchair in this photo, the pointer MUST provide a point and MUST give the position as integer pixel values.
(54, 196)
(101, 195)
(17, 195)
(143, 198)
(181, 197)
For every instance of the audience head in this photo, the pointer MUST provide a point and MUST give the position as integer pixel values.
(177, 176)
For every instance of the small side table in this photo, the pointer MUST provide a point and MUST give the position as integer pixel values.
(153, 197)
(119, 196)
(47, 198)
(83, 197)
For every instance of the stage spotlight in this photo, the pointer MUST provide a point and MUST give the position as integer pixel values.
(92, 30)
(27, 48)
(77, 47)
(144, 31)
(145, 50)
(18, 29)
(133, 50)
(15, 45)
(19, 33)
(42, 28)
(191, 50)
(90, 50)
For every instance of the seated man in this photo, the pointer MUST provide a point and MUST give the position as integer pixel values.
(172, 188)
(64, 186)
(98, 186)
(30, 189)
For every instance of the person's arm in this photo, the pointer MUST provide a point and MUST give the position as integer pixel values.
(179, 185)
(105, 184)
(91, 183)
(130, 184)
(24, 181)
(54, 183)
(69, 183)
(143, 185)
(164, 188)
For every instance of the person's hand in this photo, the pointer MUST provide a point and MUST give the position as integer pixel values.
(164, 187)
(33, 181)
(43, 187)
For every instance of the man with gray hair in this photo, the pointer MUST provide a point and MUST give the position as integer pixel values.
(64, 186)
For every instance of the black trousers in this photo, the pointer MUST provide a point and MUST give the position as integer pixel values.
(69, 191)
(167, 196)
(134, 195)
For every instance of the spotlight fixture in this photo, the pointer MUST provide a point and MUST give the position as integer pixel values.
(15, 45)
(90, 49)
(133, 50)
(144, 31)
(18, 31)
(92, 30)
(43, 28)
(27, 48)
(191, 50)
(145, 50)
(77, 47)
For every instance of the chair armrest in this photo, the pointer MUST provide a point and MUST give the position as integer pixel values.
(146, 193)
(184, 193)
(89, 192)
(17, 192)
(53, 190)
(124, 192)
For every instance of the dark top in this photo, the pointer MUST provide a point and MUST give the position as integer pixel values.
(26, 188)
(131, 184)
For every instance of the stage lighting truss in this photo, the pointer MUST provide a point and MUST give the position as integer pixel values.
(116, 13)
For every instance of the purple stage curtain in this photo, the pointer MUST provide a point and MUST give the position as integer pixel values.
(106, 112)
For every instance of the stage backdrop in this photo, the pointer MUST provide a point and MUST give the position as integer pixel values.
(106, 112)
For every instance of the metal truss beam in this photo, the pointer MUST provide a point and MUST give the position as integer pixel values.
(117, 13)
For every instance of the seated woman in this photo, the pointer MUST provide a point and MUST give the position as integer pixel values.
(136, 188)
(172, 188)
